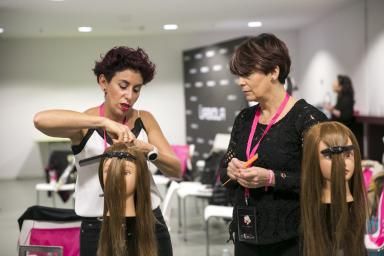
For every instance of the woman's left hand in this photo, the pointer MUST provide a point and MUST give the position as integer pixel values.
(145, 146)
(253, 177)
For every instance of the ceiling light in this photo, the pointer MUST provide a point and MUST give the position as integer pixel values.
(170, 27)
(56, 0)
(254, 24)
(85, 29)
(1, 30)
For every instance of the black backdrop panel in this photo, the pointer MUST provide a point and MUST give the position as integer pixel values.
(212, 98)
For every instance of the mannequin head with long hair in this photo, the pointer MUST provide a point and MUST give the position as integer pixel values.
(332, 176)
(124, 177)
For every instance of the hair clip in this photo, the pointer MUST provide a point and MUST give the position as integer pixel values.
(96, 159)
(120, 155)
(337, 150)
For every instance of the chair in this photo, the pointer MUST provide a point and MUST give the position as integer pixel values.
(215, 211)
(220, 143)
(59, 186)
(375, 242)
(166, 205)
(185, 155)
(25, 250)
(42, 226)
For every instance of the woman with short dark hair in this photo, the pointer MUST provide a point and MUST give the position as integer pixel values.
(120, 74)
(266, 191)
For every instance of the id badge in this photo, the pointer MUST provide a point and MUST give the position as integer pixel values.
(246, 224)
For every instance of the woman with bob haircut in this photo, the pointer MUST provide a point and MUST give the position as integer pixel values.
(125, 179)
(121, 74)
(333, 197)
(266, 191)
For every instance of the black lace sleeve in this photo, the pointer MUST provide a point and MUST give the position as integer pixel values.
(231, 152)
(306, 117)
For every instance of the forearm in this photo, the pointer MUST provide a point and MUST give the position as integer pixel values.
(65, 123)
(168, 164)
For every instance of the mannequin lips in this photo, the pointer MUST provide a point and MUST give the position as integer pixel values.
(125, 106)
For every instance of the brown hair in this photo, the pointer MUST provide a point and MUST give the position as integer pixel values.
(112, 236)
(262, 53)
(347, 226)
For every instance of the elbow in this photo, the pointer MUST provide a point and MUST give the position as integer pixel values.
(37, 121)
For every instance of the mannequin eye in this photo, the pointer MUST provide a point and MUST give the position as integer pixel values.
(348, 154)
(127, 173)
(327, 155)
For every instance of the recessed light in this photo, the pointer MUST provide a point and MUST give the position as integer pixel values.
(84, 29)
(254, 24)
(170, 27)
(1, 30)
(56, 0)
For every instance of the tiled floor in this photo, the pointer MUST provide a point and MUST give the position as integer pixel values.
(17, 195)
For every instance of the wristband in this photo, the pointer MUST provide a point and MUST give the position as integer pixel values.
(270, 177)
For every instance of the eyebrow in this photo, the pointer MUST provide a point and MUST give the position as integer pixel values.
(128, 83)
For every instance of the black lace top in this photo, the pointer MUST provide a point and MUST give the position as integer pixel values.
(277, 209)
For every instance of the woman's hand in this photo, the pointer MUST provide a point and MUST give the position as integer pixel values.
(328, 107)
(119, 132)
(234, 168)
(253, 177)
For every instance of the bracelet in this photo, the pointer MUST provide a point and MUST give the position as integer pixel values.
(270, 177)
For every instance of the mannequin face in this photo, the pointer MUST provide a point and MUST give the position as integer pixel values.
(326, 162)
(129, 174)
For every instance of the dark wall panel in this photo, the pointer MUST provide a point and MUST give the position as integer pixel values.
(212, 97)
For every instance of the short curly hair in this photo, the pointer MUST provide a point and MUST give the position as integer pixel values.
(121, 58)
(261, 53)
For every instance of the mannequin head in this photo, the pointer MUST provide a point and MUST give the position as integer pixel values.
(332, 175)
(125, 180)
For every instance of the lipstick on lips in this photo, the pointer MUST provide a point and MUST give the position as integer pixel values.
(125, 107)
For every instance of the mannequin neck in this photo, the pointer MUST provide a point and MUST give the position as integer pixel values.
(326, 193)
(130, 209)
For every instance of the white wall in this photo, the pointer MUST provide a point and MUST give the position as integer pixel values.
(45, 73)
(338, 44)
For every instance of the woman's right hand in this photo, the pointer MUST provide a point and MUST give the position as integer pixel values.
(119, 132)
(233, 169)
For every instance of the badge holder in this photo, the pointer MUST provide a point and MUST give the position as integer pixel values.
(246, 224)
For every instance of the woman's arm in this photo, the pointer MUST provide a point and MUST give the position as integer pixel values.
(167, 161)
(71, 124)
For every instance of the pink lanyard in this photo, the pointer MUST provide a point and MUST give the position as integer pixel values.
(102, 113)
(250, 153)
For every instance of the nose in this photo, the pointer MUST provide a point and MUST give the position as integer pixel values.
(240, 81)
(128, 93)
